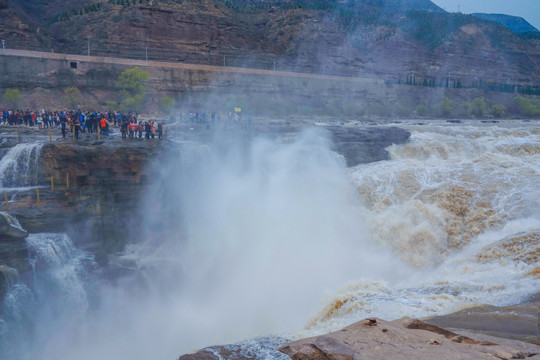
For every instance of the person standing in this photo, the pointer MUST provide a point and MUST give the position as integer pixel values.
(76, 128)
(103, 125)
(63, 125)
(123, 129)
(147, 129)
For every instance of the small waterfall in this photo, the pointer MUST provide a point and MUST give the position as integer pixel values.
(8, 277)
(20, 166)
(52, 300)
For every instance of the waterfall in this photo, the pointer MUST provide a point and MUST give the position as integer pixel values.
(20, 166)
(275, 240)
(53, 299)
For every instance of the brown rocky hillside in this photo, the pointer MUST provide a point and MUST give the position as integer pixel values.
(396, 40)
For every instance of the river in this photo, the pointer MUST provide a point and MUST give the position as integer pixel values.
(278, 239)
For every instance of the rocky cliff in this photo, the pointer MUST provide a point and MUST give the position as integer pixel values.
(94, 196)
(390, 39)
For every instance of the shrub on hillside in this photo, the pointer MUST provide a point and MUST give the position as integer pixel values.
(166, 105)
(12, 98)
(111, 105)
(498, 110)
(479, 107)
(447, 107)
(421, 110)
(132, 89)
(527, 107)
(72, 96)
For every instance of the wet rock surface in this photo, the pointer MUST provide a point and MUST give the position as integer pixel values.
(517, 322)
(374, 339)
(405, 339)
(10, 227)
(251, 349)
(365, 145)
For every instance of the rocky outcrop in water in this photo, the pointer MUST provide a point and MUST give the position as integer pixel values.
(406, 339)
(9, 226)
(365, 145)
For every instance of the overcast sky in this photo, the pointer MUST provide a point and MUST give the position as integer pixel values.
(527, 9)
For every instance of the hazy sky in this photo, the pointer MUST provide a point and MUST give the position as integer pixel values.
(527, 9)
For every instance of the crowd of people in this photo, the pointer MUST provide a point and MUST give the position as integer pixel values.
(128, 124)
(84, 122)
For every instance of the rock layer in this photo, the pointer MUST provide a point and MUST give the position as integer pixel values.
(405, 339)
(394, 39)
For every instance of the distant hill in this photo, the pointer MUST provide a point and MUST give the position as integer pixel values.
(395, 40)
(514, 23)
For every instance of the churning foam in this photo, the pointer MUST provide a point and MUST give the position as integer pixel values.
(460, 204)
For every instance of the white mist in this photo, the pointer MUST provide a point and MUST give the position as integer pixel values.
(246, 239)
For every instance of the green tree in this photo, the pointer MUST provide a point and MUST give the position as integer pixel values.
(404, 108)
(166, 105)
(72, 96)
(111, 105)
(498, 110)
(132, 89)
(421, 110)
(12, 98)
(527, 107)
(132, 103)
(447, 107)
(478, 107)
(132, 81)
(465, 109)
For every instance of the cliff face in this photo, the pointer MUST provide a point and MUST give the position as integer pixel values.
(200, 32)
(97, 194)
(391, 39)
(98, 189)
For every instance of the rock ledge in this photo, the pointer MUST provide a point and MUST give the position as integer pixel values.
(405, 339)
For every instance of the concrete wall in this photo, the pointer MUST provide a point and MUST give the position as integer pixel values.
(195, 85)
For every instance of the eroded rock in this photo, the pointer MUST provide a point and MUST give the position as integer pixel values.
(405, 339)
(9, 226)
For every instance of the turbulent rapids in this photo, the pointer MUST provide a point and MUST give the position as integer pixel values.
(460, 205)
(278, 238)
